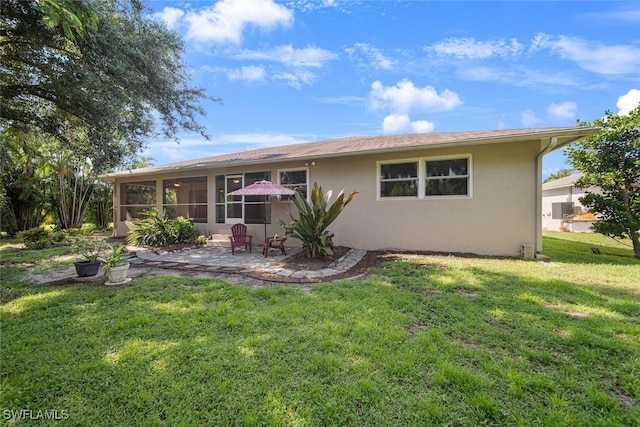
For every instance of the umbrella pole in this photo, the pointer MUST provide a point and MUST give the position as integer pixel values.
(264, 204)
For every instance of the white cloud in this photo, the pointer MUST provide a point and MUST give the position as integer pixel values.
(286, 54)
(401, 123)
(227, 19)
(469, 48)
(171, 16)
(591, 56)
(404, 97)
(249, 74)
(396, 123)
(562, 112)
(628, 101)
(374, 55)
(297, 78)
(422, 126)
(519, 76)
(529, 119)
(342, 100)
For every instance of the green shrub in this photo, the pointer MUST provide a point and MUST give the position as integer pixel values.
(88, 228)
(35, 238)
(157, 230)
(89, 248)
(314, 218)
(58, 237)
(185, 231)
(202, 239)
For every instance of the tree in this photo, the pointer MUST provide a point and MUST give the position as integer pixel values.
(610, 161)
(104, 68)
(560, 174)
(314, 218)
(26, 180)
(91, 81)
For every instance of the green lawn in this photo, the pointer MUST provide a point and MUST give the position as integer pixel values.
(428, 341)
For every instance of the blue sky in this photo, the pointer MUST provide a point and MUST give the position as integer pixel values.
(302, 71)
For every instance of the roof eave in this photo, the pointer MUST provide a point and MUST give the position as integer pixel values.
(565, 137)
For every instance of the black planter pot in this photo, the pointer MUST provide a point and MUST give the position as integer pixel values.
(87, 268)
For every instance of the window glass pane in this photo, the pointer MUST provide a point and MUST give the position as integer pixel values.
(447, 187)
(251, 177)
(138, 193)
(562, 210)
(170, 212)
(127, 213)
(220, 217)
(136, 198)
(220, 189)
(288, 178)
(399, 188)
(186, 197)
(234, 210)
(255, 214)
(294, 180)
(399, 171)
(453, 167)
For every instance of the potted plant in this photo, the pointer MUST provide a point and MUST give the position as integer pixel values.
(90, 249)
(116, 265)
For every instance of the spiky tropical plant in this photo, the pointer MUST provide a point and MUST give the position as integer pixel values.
(314, 217)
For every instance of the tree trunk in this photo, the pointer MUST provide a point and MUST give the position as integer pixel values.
(635, 239)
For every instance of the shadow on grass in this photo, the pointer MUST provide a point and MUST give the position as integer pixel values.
(568, 251)
(433, 342)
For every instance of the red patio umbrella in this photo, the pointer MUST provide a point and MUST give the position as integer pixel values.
(263, 188)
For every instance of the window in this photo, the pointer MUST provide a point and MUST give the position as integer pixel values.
(447, 177)
(562, 210)
(294, 180)
(425, 178)
(220, 199)
(241, 209)
(186, 197)
(257, 209)
(135, 198)
(399, 180)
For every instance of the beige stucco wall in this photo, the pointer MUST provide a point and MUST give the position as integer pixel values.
(497, 219)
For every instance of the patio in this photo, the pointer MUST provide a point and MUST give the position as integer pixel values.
(220, 260)
(211, 261)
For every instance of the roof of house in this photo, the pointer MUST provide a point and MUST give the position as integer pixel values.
(364, 145)
(567, 181)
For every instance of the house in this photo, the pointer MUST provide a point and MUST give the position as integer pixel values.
(463, 192)
(561, 207)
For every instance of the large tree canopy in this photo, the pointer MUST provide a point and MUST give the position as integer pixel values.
(610, 161)
(98, 75)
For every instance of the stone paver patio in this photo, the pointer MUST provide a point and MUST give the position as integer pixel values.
(211, 261)
(220, 259)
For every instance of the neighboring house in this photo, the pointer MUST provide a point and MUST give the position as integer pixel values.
(561, 207)
(464, 192)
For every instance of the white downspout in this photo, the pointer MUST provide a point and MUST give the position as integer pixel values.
(553, 142)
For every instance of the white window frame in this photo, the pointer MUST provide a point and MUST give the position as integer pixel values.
(306, 171)
(395, 162)
(422, 177)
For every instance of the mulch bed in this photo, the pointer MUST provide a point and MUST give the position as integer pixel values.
(300, 262)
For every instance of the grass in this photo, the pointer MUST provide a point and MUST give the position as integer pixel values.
(427, 341)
